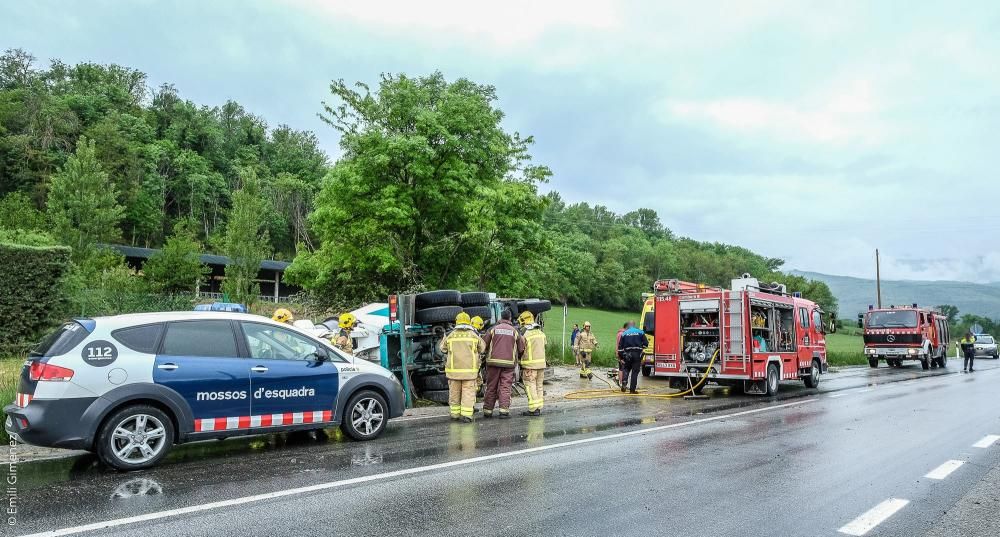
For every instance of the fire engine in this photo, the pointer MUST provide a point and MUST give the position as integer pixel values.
(749, 337)
(902, 333)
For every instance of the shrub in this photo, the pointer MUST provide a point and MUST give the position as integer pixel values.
(31, 292)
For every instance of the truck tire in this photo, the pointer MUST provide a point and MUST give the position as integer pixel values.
(440, 314)
(433, 299)
(535, 306)
(812, 381)
(475, 298)
(943, 359)
(432, 382)
(438, 396)
(925, 363)
(773, 378)
(873, 363)
(481, 311)
(647, 370)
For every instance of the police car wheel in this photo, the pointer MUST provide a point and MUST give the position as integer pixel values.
(365, 415)
(135, 437)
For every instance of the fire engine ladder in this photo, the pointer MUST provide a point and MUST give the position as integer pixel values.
(735, 342)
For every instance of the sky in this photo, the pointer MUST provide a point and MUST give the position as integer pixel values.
(811, 131)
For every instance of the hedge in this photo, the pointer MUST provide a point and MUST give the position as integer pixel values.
(31, 292)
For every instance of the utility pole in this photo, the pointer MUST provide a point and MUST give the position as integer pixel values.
(878, 281)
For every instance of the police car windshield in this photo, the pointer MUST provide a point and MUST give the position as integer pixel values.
(985, 339)
(892, 319)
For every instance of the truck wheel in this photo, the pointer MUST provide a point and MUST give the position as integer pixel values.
(873, 363)
(772, 380)
(647, 370)
(483, 312)
(438, 396)
(365, 415)
(812, 381)
(135, 437)
(441, 314)
(433, 382)
(433, 299)
(925, 363)
(475, 298)
(535, 306)
(943, 359)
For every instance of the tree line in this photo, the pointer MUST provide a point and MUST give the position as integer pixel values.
(431, 191)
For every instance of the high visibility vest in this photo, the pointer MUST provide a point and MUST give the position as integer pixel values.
(463, 347)
(534, 353)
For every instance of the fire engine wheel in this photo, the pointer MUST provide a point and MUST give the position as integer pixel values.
(772, 380)
(873, 363)
(812, 381)
(647, 370)
(925, 363)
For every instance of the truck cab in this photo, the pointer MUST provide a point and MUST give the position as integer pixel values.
(905, 333)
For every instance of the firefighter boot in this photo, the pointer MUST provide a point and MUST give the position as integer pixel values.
(535, 412)
(489, 413)
(504, 414)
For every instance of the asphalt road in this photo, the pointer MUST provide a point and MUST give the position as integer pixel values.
(809, 462)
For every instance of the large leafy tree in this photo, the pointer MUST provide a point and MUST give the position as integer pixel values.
(82, 202)
(403, 207)
(177, 267)
(246, 241)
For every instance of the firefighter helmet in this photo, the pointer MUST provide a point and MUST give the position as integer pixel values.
(347, 321)
(282, 315)
(478, 323)
(526, 318)
(463, 318)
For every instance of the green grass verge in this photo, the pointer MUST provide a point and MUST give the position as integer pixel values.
(605, 325)
(10, 371)
(845, 348)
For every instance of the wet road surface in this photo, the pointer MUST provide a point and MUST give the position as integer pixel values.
(805, 463)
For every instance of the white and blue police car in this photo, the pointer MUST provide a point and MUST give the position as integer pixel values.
(128, 387)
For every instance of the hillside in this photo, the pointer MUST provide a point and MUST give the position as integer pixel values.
(855, 294)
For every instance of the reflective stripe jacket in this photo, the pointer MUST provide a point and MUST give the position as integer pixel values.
(585, 341)
(463, 347)
(343, 342)
(534, 355)
(504, 344)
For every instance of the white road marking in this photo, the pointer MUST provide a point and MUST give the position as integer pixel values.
(986, 441)
(838, 395)
(945, 469)
(873, 517)
(394, 474)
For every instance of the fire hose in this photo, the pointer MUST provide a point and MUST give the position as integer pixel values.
(613, 392)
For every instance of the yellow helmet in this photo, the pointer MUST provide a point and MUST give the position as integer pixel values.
(526, 318)
(282, 315)
(463, 318)
(347, 320)
(586, 324)
(478, 323)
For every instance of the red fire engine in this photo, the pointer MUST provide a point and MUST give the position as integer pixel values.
(906, 333)
(750, 337)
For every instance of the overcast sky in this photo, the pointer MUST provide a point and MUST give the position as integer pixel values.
(810, 131)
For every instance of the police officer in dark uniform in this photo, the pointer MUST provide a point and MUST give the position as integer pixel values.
(968, 344)
(630, 346)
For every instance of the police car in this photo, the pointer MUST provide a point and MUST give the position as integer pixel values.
(129, 387)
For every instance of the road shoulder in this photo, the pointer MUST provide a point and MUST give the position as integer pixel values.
(975, 513)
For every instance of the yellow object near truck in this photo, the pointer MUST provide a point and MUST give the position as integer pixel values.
(646, 323)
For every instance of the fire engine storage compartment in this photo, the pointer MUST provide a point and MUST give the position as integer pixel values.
(700, 332)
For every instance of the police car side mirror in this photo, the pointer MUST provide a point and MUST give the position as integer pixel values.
(321, 355)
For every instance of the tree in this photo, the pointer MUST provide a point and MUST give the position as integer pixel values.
(246, 241)
(18, 212)
(395, 211)
(177, 267)
(949, 311)
(82, 203)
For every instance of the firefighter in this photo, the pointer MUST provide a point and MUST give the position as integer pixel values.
(282, 315)
(968, 344)
(584, 345)
(630, 346)
(343, 341)
(463, 347)
(533, 364)
(504, 344)
(478, 323)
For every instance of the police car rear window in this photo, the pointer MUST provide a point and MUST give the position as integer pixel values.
(200, 338)
(61, 341)
(140, 338)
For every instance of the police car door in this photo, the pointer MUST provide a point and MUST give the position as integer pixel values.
(200, 361)
(292, 380)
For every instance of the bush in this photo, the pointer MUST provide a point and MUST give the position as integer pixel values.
(31, 293)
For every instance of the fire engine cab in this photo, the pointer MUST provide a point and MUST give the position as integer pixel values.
(749, 337)
(902, 333)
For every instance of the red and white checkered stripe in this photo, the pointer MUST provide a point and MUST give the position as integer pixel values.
(264, 420)
(22, 399)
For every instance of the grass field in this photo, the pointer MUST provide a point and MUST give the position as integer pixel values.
(10, 370)
(845, 348)
(605, 325)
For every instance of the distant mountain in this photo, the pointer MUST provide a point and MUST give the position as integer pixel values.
(855, 294)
